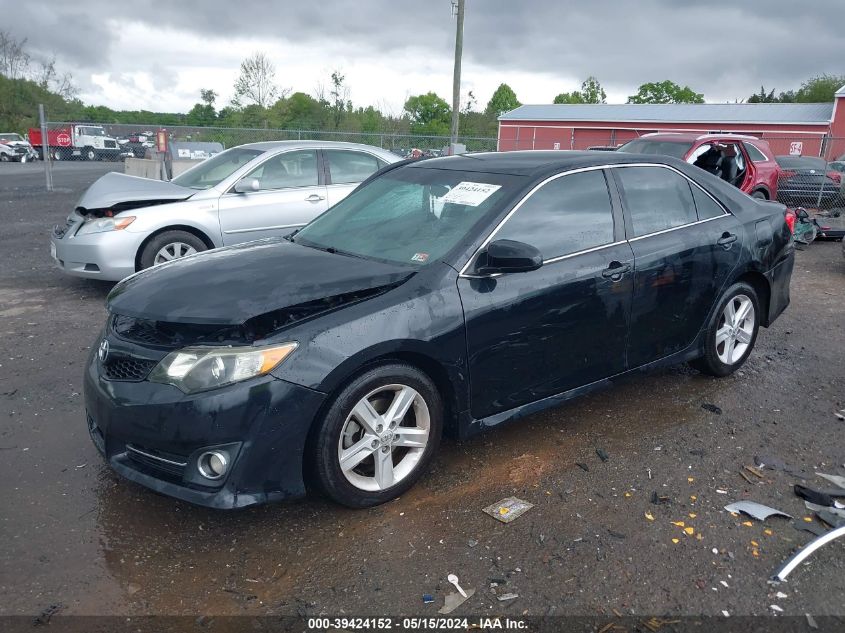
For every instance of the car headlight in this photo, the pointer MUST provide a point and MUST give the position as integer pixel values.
(101, 225)
(199, 368)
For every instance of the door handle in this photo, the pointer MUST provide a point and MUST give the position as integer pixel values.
(615, 271)
(726, 240)
(314, 198)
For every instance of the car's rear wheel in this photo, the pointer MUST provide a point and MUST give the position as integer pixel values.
(4, 158)
(169, 246)
(731, 333)
(378, 436)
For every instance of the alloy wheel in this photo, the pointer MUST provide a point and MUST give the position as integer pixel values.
(174, 250)
(735, 329)
(384, 437)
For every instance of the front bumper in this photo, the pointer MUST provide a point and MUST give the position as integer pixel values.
(109, 255)
(152, 434)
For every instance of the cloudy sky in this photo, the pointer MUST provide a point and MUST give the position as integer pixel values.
(158, 54)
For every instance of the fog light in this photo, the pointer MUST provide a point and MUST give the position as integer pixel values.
(213, 464)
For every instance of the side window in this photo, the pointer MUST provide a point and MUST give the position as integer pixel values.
(755, 154)
(656, 199)
(348, 166)
(290, 169)
(706, 206)
(567, 215)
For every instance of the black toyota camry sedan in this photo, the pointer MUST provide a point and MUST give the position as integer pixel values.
(443, 296)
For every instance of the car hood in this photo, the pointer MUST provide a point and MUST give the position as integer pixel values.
(115, 188)
(237, 284)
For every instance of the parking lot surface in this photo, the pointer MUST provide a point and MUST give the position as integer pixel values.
(73, 534)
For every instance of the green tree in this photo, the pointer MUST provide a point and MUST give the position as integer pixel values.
(203, 113)
(429, 114)
(819, 89)
(256, 82)
(665, 92)
(763, 96)
(591, 92)
(503, 100)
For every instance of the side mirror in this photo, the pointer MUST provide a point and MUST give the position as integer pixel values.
(247, 185)
(509, 256)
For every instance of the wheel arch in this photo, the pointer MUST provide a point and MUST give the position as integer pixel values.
(762, 189)
(762, 287)
(172, 227)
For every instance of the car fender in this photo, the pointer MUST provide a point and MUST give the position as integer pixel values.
(200, 215)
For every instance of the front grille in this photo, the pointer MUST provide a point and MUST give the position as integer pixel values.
(111, 144)
(161, 462)
(129, 369)
(140, 331)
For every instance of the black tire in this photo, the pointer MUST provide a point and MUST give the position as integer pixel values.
(760, 195)
(89, 154)
(162, 240)
(710, 363)
(59, 154)
(4, 158)
(325, 461)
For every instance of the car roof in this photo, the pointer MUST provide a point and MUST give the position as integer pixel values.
(267, 146)
(536, 162)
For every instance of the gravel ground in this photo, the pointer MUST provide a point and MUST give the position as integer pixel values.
(73, 534)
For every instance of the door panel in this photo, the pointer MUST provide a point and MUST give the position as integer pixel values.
(681, 262)
(536, 334)
(290, 196)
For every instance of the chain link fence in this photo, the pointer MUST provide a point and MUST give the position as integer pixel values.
(90, 141)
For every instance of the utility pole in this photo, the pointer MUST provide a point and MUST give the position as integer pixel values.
(456, 79)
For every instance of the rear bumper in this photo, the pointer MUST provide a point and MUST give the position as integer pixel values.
(153, 435)
(779, 278)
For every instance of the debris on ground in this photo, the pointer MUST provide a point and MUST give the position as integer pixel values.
(806, 551)
(507, 596)
(839, 415)
(836, 480)
(831, 519)
(815, 507)
(755, 510)
(658, 499)
(602, 454)
(755, 471)
(712, 408)
(428, 598)
(811, 622)
(453, 579)
(508, 509)
(454, 600)
(583, 466)
(776, 608)
(472, 542)
(43, 618)
(812, 528)
(822, 497)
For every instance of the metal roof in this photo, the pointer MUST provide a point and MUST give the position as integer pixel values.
(840, 92)
(791, 113)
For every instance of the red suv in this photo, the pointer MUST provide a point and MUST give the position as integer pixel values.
(746, 162)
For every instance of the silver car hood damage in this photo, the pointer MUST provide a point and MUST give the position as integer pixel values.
(115, 188)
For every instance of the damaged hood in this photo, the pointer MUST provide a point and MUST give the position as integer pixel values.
(233, 285)
(114, 188)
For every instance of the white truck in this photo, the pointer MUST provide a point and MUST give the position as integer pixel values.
(84, 141)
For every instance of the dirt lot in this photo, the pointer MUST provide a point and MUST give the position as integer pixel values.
(74, 534)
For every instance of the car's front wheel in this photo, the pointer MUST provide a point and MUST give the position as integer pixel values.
(732, 332)
(378, 436)
(170, 245)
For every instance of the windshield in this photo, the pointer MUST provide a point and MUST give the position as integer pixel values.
(212, 171)
(10, 137)
(410, 215)
(678, 149)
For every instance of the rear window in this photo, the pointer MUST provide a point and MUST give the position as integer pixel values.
(678, 149)
(755, 154)
(800, 162)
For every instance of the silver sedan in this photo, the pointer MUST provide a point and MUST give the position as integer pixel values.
(123, 224)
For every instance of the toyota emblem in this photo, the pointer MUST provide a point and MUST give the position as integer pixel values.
(103, 352)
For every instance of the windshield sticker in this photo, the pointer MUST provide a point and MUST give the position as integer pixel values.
(419, 257)
(470, 194)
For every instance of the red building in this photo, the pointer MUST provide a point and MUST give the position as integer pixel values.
(810, 129)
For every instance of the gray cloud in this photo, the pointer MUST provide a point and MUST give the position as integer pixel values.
(724, 48)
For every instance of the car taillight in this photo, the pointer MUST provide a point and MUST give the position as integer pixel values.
(789, 216)
(835, 176)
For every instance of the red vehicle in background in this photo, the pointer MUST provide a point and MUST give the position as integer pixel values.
(85, 141)
(746, 162)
